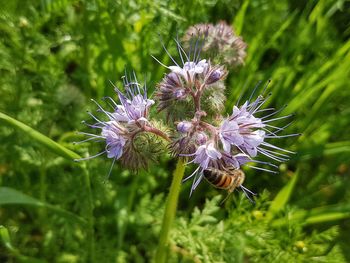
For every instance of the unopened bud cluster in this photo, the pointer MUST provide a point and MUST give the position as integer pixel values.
(221, 43)
(192, 95)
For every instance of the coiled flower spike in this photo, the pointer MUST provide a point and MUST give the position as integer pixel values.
(222, 44)
(188, 79)
(124, 132)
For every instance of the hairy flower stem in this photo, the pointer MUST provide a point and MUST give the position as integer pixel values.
(157, 132)
(170, 210)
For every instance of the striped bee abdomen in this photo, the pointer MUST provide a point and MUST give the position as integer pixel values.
(224, 179)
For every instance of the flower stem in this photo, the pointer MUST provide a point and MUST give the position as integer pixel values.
(89, 214)
(170, 210)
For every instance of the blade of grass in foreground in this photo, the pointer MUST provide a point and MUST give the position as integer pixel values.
(316, 215)
(39, 137)
(9, 196)
(283, 196)
(6, 241)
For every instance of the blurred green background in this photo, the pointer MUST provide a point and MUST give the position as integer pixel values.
(57, 54)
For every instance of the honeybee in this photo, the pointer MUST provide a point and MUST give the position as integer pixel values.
(228, 179)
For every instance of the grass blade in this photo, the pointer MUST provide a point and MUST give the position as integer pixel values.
(9, 196)
(39, 137)
(316, 215)
(283, 196)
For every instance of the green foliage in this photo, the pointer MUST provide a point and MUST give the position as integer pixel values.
(56, 55)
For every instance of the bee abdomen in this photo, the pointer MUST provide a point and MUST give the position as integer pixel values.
(212, 177)
(218, 178)
(225, 182)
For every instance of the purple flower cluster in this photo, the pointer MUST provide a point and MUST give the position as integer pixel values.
(192, 94)
(211, 144)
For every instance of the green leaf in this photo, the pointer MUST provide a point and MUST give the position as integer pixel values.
(6, 240)
(5, 237)
(316, 215)
(9, 196)
(239, 19)
(283, 196)
(39, 137)
(333, 148)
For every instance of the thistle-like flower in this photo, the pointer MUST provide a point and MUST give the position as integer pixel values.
(188, 80)
(221, 43)
(124, 131)
(240, 138)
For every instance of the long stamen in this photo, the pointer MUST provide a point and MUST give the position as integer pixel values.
(266, 163)
(255, 88)
(172, 59)
(90, 134)
(277, 153)
(190, 176)
(284, 136)
(274, 113)
(93, 125)
(95, 118)
(273, 157)
(159, 61)
(103, 110)
(279, 118)
(109, 98)
(275, 147)
(262, 169)
(179, 51)
(90, 157)
(201, 46)
(259, 104)
(245, 190)
(88, 139)
(182, 51)
(110, 170)
(198, 181)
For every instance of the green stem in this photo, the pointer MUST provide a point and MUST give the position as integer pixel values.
(89, 215)
(170, 210)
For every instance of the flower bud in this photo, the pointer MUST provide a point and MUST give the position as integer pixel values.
(179, 93)
(184, 126)
(201, 138)
(173, 79)
(214, 76)
(221, 43)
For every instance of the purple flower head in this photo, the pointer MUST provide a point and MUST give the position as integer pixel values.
(190, 69)
(240, 130)
(123, 124)
(244, 132)
(135, 104)
(206, 154)
(113, 134)
(189, 79)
